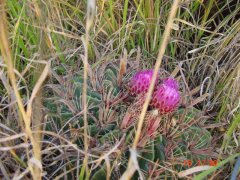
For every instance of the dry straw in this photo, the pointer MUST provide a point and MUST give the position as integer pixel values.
(34, 162)
(90, 17)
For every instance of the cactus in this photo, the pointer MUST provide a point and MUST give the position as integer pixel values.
(112, 116)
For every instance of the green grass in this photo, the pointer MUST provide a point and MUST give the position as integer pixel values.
(204, 40)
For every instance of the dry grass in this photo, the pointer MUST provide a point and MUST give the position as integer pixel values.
(34, 163)
(52, 42)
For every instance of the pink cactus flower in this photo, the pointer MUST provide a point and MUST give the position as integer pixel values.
(171, 82)
(140, 82)
(165, 99)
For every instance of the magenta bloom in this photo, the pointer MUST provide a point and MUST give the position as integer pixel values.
(171, 82)
(165, 99)
(140, 82)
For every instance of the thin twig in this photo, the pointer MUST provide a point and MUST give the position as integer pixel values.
(90, 15)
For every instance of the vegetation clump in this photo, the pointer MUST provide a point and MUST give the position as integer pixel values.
(77, 99)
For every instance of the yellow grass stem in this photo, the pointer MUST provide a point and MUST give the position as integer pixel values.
(90, 16)
(130, 170)
(35, 104)
(35, 162)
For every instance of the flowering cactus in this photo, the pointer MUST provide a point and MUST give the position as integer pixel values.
(171, 82)
(165, 98)
(140, 82)
(113, 117)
